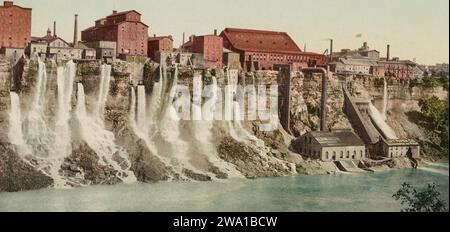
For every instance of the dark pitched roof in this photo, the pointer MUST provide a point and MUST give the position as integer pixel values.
(123, 12)
(260, 41)
(337, 138)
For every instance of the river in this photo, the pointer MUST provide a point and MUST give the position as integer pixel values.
(341, 192)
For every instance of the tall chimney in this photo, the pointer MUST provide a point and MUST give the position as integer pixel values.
(182, 45)
(387, 52)
(331, 48)
(215, 32)
(75, 32)
(54, 28)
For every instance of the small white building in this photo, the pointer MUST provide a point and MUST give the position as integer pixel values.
(331, 145)
(353, 65)
(393, 148)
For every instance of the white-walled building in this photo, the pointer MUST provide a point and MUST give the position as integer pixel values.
(331, 145)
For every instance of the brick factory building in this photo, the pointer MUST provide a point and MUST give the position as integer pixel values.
(209, 47)
(158, 45)
(124, 28)
(15, 25)
(401, 69)
(267, 50)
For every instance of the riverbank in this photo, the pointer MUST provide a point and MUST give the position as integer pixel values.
(340, 192)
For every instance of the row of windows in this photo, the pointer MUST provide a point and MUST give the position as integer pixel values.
(276, 57)
(341, 155)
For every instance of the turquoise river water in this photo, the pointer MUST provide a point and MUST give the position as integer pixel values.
(342, 192)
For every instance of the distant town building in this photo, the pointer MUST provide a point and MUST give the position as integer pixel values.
(15, 30)
(378, 70)
(55, 48)
(103, 49)
(159, 44)
(439, 68)
(331, 145)
(363, 51)
(206, 49)
(353, 65)
(124, 28)
(401, 69)
(88, 53)
(231, 59)
(265, 50)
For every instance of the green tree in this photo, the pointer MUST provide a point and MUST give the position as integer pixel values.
(426, 200)
(435, 111)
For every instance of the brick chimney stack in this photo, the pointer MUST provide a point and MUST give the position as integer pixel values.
(54, 28)
(387, 52)
(215, 32)
(75, 32)
(8, 3)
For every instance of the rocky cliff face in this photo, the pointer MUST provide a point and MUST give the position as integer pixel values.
(152, 148)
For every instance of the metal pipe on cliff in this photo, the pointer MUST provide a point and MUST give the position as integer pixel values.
(324, 95)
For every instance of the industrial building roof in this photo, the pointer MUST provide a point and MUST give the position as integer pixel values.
(260, 41)
(337, 138)
(156, 38)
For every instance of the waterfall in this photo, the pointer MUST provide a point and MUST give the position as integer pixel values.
(141, 108)
(65, 78)
(385, 99)
(133, 107)
(105, 78)
(201, 127)
(197, 98)
(96, 136)
(15, 133)
(36, 131)
(378, 120)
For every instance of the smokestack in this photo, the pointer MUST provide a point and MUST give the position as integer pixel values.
(331, 48)
(387, 52)
(54, 28)
(75, 32)
(215, 32)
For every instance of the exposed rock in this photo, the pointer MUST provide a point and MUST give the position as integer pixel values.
(84, 160)
(146, 166)
(316, 167)
(196, 176)
(249, 161)
(17, 175)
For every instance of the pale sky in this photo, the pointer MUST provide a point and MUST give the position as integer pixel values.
(414, 28)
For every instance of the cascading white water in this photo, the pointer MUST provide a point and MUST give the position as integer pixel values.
(141, 109)
(105, 78)
(65, 78)
(168, 123)
(96, 136)
(377, 118)
(36, 131)
(385, 99)
(15, 133)
(202, 126)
